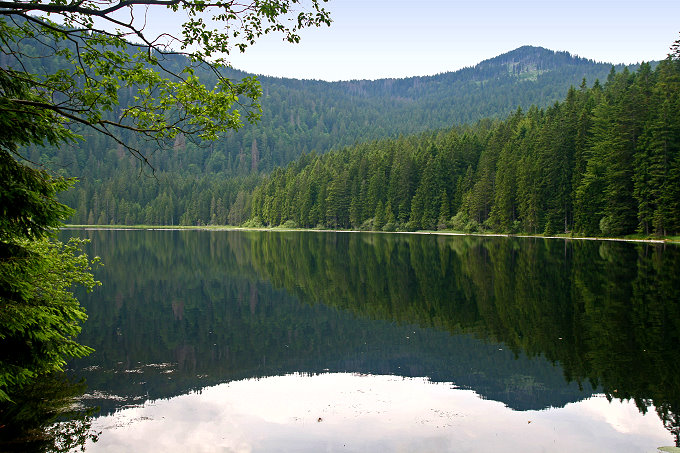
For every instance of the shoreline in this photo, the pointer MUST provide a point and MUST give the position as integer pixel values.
(277, 229)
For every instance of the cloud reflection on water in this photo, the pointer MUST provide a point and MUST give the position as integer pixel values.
(350, 412)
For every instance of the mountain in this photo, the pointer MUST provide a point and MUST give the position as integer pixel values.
(301, 116)
(603, 162)
(194, 184)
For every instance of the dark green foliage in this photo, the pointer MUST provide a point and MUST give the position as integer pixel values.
(39, 317)
(42, 418)
(366, 183)
(300, 117)
(29, 208)
(656, 187)
(606, 161)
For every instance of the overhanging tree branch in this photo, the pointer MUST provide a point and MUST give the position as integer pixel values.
(97, 54)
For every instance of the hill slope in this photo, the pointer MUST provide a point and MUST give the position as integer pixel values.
(301, 116)
(605, 161)
(195, 183)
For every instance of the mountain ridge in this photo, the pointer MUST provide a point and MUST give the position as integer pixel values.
(501, 58)
(301, 117)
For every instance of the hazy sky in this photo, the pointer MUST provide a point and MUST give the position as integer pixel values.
(372, 39)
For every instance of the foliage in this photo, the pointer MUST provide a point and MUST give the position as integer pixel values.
(39, 317)
(299, 116)
(605, 161)
(89, 61)
(29, 208)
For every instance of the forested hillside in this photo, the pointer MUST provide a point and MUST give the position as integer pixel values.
(605, 161)
(205, 183)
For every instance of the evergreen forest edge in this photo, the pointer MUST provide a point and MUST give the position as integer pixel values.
(603, 162)
(529, 173)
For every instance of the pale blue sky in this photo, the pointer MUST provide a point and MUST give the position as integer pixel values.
(372, 39)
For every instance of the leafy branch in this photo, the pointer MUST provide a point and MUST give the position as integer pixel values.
(101, 52)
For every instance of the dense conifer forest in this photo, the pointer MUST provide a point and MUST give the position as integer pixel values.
(604, 161)
(199, 184)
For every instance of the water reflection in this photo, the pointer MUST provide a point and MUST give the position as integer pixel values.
(532, 324)
(350, 412)
(43, 417)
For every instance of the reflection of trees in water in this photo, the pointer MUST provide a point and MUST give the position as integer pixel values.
(608, 312)
(183, 310)
(671, 420)
(43, 417)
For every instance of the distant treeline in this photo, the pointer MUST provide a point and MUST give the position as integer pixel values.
(605, 161)
(203, 183)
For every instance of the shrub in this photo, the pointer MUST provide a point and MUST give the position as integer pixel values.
(289, 224)
(255, 222)
(459, 221)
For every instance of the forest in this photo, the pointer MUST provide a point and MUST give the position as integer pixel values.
(603, 162)
(200, 183)
(496, 147)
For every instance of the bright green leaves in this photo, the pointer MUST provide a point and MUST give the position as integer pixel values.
(96, 62)
(40, 317)
(23, 121)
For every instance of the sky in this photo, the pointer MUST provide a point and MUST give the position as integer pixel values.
(373, 39)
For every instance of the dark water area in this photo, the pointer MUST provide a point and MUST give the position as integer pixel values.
(551, 336)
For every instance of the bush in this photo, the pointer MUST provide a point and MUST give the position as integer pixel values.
(367, 225)
(459, 221)
(605, 225)
(289, 224)
(255, 222)
(472, 226)
(410, 226)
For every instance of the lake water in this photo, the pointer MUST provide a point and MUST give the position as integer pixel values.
(310, 341)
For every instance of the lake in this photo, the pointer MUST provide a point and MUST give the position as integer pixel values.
(314, 341)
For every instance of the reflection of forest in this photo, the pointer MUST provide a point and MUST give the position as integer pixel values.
(181, 310)
(42, 418)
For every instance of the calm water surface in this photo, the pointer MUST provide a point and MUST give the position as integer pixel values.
(308, 341)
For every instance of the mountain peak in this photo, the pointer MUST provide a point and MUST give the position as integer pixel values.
(533, 55)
